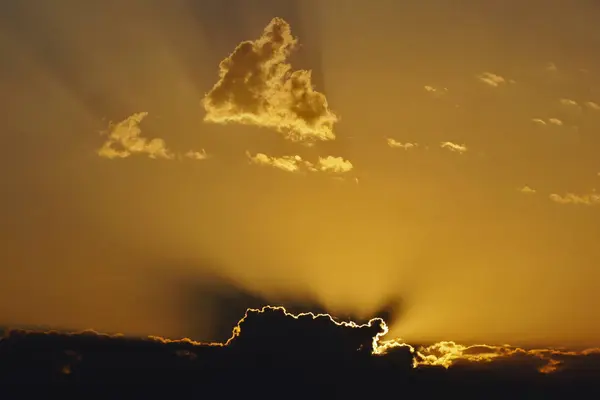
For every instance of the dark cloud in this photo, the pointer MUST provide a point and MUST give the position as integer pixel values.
(274, 351)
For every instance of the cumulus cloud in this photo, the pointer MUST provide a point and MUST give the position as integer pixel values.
(258, 87)
(458, 148)
(491, 79)
(393, 143)
(295, 163)
(576, 199)
(124, 139)
(592, 105)
(527, 190)
(334, 164)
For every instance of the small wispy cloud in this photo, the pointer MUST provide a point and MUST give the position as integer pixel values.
(458, 148)
(569, 102)
(549, 121)
(296, 163)
(538, 121)
(437, 92)
(555, 121)
(551, 67)
(527, 190)
(125, 139)
(492, 79)
(197, 155)
(285, 163)
(592, 105)
(393, 143)
(576, 199)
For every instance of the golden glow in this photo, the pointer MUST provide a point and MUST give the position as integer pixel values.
(93, 243)
(258, 87)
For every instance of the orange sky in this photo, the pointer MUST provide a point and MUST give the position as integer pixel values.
(489, 238)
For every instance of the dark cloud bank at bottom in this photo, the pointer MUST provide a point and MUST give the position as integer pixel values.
(274, 356)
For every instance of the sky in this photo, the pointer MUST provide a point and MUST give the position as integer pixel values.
(442, 154)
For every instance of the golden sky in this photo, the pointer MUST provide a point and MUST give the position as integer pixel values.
(445, 154)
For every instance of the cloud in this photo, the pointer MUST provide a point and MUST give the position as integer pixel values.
(449, 353)
(124, 139)
(459, 148)
(528, 190)
(576, 199)
(296, 163)
(568, 102)
(334, 164)
(284, 163)
(435, 91)
(592, 105)
(551, 121)
(197, 155)
(258, 87)
(286, 339)
(398, 145)
(555, 121)
(551, 67)
(491, 79)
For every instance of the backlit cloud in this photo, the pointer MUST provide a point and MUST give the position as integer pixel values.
(491, 79)
(459, 148)
(576, 199)
(124, 139)
(258, 87)
(255, 331)
(295, 163)
(393, 143)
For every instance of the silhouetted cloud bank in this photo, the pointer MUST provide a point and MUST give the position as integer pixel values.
(271, 346)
